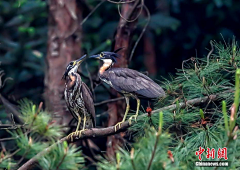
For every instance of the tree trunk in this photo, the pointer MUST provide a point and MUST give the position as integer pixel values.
(149, 56)
(64, 45)
(122, 39)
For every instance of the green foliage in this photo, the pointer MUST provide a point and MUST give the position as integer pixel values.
(166, 22)
(27, 145)
(23, 37)
(140, 156)
(7, 163)
(40, 122)
(62, 158)
(37, 134)
(205, 124)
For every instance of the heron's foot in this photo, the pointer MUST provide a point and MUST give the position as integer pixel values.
(118, 124)
(130, 119)
(76, 133)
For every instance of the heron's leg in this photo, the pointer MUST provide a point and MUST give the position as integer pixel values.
(79, 121)
(136, 115)
(125, 115)
(76, 131)
(127, 109)
(79, 133)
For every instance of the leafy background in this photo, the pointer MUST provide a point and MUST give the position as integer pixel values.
(178, 30)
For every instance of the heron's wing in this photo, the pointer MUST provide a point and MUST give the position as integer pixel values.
(88, 101)
(128, 80)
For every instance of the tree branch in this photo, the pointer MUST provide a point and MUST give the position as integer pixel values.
(154, 150)
(11, 108)
(108, 101)
(101, 132)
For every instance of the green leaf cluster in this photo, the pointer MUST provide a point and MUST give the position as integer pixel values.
(204, 124)
(23, 37)
(62, 158)
(36, 134)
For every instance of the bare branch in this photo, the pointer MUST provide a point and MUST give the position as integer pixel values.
(9, 156)
(12, 109)
(108, 101)
(154, 150)
(5, 139)
(120, 2)
(143, 31)
(91, 81)
(95, 8)
(135, 6)
(101, 132)
(210, 52)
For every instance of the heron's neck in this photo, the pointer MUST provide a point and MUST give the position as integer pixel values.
(72, 79)
(106, 64)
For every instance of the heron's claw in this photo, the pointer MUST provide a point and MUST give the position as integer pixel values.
(70, 136)
(130, 119)
(76, 133)
(118, 124)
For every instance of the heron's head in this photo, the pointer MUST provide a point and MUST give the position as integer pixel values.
(107, 56)
(72, 67)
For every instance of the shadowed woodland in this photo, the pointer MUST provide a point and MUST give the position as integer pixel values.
(189, 48)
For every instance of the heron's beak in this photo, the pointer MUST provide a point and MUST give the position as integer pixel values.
(95, 56)
(80, 60)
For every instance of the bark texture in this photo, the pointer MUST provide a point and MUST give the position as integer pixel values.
(64, 45)
(149, 56)
(122, 39)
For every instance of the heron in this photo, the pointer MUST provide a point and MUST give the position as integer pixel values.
(128, 82)
(78, 98)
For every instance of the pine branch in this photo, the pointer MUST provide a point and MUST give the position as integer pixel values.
(102, 132)
(156, 141)
(60, 163)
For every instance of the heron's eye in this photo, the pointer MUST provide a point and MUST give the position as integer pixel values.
(71, 63)
(101, 55)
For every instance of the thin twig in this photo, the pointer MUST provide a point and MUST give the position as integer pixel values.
(13, 121)
(183, 68)
(9, 126)
(109, 101)
(86, 77)
(95, 8)
(210, 52)
(134, 6)
(97, 82)
(120, 2)
(23, 157)
(98, 5)
(128, 15)
(11, 138)
(132, 159)
(4, 81)
(35, 116)
(91, 81)
(143, 31)
(11, 109)
(154, 150)
(9, 156)
(60, 163)
(3, 147)
(46, 150)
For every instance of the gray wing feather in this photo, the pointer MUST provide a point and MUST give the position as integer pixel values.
(88, 101)
(128, 80)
